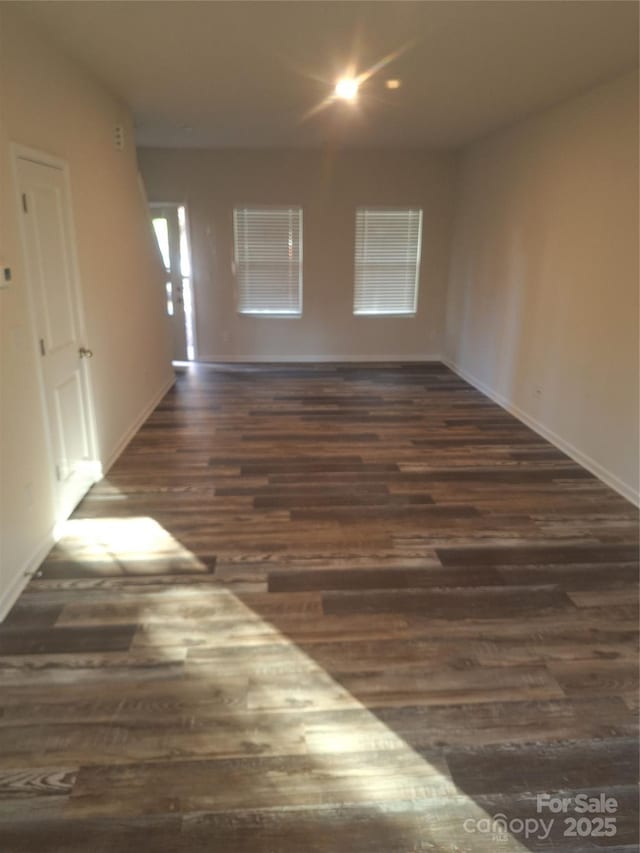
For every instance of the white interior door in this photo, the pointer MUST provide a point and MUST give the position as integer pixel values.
(172, 245)
(57, 316)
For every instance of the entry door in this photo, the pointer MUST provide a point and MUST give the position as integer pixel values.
(61, 348)
(166, 224)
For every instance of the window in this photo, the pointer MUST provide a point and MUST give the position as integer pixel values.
(268, 259)
(387, 262)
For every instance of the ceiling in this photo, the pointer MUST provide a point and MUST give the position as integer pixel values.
(251, 74)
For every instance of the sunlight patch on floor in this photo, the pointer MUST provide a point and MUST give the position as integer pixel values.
(125, 541)
(240, 696)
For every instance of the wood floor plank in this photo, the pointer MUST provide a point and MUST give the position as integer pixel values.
(37, 781)
(513, 768)
(225, 784)
(476, 724)
(462, 603)
(370, 578)
(68, 639)
(537, 555)
(160, 833)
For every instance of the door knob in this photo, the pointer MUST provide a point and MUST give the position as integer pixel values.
(83, 352)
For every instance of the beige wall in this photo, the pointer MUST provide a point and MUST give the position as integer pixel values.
(50, 104)
(543, 290)
(329, 188)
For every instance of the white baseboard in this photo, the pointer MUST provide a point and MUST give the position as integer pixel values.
(23, 575)
(318, 359)
(135, 426)
(567, 447)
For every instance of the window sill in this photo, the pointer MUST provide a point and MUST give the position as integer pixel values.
(267, 315)
(386, 314)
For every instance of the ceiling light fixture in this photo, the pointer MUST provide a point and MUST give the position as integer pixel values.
(347, 88)
(393, 84)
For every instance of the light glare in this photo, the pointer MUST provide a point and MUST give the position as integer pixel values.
(347, 88)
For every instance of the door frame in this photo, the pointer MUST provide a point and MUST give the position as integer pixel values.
(187, 227)
(94, 464)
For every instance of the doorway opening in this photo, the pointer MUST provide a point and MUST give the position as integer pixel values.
(170, 224)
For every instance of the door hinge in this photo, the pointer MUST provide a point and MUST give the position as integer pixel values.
(42, 349)
(24, 203)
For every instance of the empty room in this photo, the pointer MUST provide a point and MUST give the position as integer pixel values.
(319, 403)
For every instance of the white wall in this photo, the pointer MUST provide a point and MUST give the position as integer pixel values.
(50, 104)
(329, 187)
(543, 289)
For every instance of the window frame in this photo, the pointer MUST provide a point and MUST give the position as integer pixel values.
(418, 261)
(273, 315)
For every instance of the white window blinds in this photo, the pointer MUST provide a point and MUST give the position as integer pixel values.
(268, 258)
(387, 261)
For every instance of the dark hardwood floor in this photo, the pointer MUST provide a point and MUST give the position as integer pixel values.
(331, 608)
